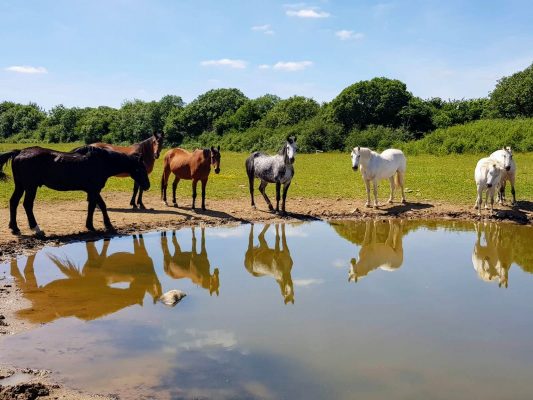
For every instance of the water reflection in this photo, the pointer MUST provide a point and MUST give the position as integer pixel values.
(274, 262)
(492, 260)
(190, 264)
(374, 253)
(104, 285)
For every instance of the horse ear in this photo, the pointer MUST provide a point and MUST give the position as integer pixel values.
(358, 148)
(212, 149)
(294, 139)
(218, 147)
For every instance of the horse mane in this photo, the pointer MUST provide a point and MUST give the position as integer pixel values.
(281, 151)
(89, 150)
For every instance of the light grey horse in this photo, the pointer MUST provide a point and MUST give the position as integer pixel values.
(276, 169)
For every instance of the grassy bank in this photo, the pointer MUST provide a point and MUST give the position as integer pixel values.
(327, 175)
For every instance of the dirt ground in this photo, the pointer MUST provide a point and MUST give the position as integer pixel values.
(64, 222)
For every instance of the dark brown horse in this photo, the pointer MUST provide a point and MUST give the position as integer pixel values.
(86, 169)
(149, 151)
(186, 165)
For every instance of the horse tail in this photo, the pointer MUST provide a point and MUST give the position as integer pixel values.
(4, 159)
(250, 168)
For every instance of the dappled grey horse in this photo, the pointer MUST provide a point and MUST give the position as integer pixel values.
(276, 169)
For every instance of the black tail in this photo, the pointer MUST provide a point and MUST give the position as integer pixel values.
(250, 165)
(4, 159)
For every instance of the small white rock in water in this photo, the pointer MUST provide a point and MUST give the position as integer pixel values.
(172, 297)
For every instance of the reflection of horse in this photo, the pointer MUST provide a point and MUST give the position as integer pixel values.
(492, 261)
(148, 150)
(190, 264)
(90, 292)
(276, 262)
(387, 256)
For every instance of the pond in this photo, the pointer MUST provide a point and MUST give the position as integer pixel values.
(368, 310)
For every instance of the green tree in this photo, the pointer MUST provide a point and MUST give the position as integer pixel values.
(513, 95)
(291, 111)
(96, 123)
(377, 101)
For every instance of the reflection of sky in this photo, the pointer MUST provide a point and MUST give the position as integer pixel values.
(408, 333)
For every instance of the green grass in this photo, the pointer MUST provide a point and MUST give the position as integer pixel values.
(447, 178)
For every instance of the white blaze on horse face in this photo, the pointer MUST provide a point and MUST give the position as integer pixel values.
(492, 175)
(291, 151)
(355, 159)
(507, 157)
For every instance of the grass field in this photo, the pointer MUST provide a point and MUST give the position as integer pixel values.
(327, 175)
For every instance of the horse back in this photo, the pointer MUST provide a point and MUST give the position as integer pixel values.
(188, 165)
(147, 156)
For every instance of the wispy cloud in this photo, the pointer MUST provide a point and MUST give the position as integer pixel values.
(225, 62)
(292, 66)
(266, 29)
(264, 66)
(307, 13)
(27, 69)
(307, 282)
(349, 35)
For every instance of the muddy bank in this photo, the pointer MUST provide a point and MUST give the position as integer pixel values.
(64, 222)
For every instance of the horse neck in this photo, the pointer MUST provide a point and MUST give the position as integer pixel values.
(116, 164)
(365, 156)
(146, 151)
(283, 153)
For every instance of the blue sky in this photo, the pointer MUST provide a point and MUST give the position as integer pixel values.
(87, 53)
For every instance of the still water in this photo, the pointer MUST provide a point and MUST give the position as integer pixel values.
(345, 310)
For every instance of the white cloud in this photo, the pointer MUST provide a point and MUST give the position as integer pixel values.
(225, 62)
(292, 66)
(266, 29)
(26, 69)
(264, 66)
(349, 35)
(307, 13)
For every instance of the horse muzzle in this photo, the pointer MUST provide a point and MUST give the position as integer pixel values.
(217, 170)
(508, 168)
(489, 185)
(355, 168)
(291, 160)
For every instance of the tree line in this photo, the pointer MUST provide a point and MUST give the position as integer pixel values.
(375, 113)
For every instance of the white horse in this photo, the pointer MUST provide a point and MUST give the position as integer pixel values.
(487, 174)
(391, 165)
(505, 157)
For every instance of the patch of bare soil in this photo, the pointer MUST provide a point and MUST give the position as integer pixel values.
(64, 222)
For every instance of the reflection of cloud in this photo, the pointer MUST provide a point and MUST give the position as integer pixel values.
(307, 282)
(225, 233)
(339, 263)
(214, 338)
(291, 231)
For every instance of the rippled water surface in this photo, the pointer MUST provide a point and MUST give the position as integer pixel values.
(366, 310)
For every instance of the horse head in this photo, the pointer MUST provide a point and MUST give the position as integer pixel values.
(507, 157)
(157, 144)
(138, 171)
(290, 149)
(493, 174)
(215, 158)
(356, 155)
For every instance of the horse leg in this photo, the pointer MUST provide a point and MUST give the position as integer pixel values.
(262, 187)
(140, 200)
(285, 190)
(132, 201)
(251, 184)
(391, 197)
(367, 185)
(103, 208)
(13, 204)
(91, 198)
(29, 198)
(501, 193)
(512, 180)
(194, 184)
(479, 200)
(400, 182)
(164, 183)
(204, 183)
(174, 187)
(375, 184)
(278, 190)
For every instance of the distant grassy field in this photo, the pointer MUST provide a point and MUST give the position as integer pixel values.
(328, 175)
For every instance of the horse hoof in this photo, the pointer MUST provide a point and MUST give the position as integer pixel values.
(91, 228)
(142, 207)
(133, 206)
(390, 201)
(15, 231)
(110, 229)
(40, 234)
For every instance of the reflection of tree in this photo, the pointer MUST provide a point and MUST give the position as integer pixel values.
(374, 253)
(493, 260)
(88, 293)
(265, 261)
(190, 264)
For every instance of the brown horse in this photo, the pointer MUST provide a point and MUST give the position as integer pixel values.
(149, 151)
(187, 165)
